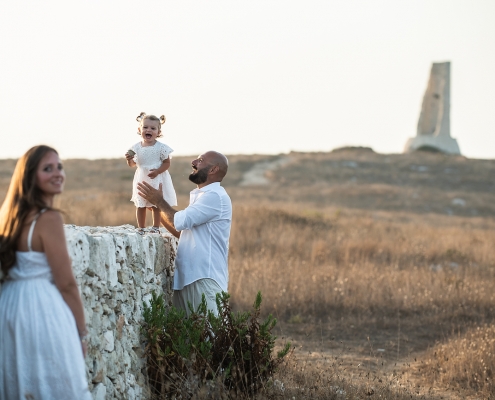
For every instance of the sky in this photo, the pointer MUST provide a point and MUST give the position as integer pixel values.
(241, 77)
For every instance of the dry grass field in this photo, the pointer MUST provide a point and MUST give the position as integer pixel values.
(379, 268)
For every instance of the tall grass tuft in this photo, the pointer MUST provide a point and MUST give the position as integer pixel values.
(465, 362)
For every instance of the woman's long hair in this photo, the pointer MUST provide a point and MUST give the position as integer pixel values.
(23, 197)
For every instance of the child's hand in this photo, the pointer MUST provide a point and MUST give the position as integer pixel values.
(128, 156)
(153, 174)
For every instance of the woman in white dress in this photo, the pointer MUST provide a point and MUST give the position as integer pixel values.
(42, 327)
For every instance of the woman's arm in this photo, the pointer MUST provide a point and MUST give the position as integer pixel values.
(51, 232)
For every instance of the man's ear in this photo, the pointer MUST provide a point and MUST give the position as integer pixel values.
(214, 169)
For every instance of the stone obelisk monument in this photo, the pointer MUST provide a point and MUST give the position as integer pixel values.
(434, 121)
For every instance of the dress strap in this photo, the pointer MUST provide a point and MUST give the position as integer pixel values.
(31, 229)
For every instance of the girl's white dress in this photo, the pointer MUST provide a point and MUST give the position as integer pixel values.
(152, 157)
(40, 351)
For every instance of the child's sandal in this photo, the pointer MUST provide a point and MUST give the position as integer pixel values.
(141, 231)
(154, 229)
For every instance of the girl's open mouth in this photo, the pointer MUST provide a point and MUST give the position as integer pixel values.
(147, 135)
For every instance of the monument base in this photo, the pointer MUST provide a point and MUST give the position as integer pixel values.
(444, 144)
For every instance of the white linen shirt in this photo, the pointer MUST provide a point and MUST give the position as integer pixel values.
(204, 240)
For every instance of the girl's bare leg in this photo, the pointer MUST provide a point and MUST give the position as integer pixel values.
(156, 217)
(141, 217)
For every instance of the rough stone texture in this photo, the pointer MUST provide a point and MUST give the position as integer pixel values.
(434, 120)
(116, 270)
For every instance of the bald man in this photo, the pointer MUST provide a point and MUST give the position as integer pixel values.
(203, 229)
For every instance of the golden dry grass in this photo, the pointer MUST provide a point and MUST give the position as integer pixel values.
(464, 362)
(350, 265)
(364, 258)
(370, 281)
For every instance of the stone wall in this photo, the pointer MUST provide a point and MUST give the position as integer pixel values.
(116, 270)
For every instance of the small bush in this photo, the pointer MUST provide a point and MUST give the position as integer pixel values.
(216, 356)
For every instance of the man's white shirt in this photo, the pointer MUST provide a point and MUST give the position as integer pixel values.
(204, 240)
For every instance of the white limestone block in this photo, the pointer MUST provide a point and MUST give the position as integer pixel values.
(99, 370)
(99, 392)
(113, 365)
(109, 342)
(147, 299)
(78, 247)
(111, 393)
(96, 262)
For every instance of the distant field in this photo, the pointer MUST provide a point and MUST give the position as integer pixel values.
(382, 263)
(422, 183)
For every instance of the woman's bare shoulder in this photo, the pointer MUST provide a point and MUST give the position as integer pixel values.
(50, 218)
(49, 229)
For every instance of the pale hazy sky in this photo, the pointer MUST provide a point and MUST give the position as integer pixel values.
(241, 76)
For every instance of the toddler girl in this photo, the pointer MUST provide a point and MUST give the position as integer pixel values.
(152, 159)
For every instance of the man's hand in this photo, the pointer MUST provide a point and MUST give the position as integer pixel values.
(148, 192)
(154, 196)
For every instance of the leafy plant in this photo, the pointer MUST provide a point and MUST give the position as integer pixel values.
(217, 355)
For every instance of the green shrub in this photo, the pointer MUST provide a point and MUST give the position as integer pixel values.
(217, 356)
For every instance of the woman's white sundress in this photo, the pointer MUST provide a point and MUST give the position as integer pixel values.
(40, 351)
(152, 157)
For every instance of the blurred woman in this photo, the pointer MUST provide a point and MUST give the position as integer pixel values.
(42, 327)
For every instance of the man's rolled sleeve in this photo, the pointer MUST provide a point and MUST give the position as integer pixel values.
(205, 208)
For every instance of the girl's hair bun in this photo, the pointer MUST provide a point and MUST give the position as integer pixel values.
(140, 117)
(162, 119)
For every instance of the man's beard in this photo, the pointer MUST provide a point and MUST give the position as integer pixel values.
(200, 176)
